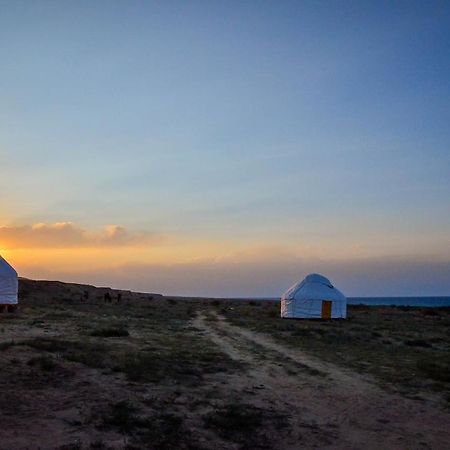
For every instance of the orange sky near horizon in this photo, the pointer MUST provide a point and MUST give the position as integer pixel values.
(69, 247)
(186, 265)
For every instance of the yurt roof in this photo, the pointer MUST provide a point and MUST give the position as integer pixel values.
(314, 287)
(6, 270)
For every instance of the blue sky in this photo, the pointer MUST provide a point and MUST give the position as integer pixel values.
(317, 128)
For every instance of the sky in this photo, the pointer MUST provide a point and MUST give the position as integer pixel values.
(227, 148)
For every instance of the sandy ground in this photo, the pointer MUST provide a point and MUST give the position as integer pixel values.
(332, 409)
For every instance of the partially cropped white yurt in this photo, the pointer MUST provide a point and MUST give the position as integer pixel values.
(9, 284)
(314, 298)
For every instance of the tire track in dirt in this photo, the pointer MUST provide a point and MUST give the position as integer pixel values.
(329, 407)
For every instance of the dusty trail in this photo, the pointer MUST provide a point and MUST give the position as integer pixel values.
(329, 407)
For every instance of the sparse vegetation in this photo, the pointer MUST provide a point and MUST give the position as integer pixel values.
(165, 431)
(111, 331)
(122, 416)
(6, 345)
(236, 419)
(182, 358)
(390, 342)
(45, 363)
(244, 423)
(143, 373)
(160, 430)
(437, 370)
(86, 352)
(418, 343)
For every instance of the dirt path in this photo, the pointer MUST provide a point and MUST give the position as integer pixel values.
(328, 407)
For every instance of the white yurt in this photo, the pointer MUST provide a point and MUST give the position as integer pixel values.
(9, 284)
(314, 298)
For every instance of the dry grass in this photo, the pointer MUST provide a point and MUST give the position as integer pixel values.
(138, 373)
(127, 361)
(407, 348)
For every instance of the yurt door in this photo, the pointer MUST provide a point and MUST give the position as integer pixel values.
(326, 309)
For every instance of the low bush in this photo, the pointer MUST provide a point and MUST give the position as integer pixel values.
(85, 352)
(437, 370)
(160, 430)
(6, 345)
(111, 331)
(430, 312)
(121, 416)
(45, 363)
(234, 419)
(164, 431)
(244, 424)
(417, 343)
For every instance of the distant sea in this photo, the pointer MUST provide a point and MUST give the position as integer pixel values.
(427, 302)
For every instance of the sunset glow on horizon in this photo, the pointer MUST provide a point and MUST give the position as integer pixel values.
(227, 149)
